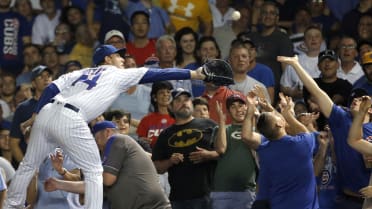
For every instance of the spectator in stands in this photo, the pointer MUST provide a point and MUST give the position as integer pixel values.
(41, 77)
(166, 52)
(45, 23)
(64, 41)
(51, 60)
(290, 84)
(350, 69)
(186, 148)
(186, 40)
(160, 21)
(201, 108)
(365, 27)
(352, 176)
(141, 47)
(84, 47)
(351, 19)
(363, 47)
(271, 42)
(74, 16)
(194, 13)
(14, 37)
(8, 88)
(115, 38)
(24, 8)
(32, 57)
(365, 81)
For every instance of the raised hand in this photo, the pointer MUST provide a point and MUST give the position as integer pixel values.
(221, 115)
(287, 60)
(366, 104)
(57, 160)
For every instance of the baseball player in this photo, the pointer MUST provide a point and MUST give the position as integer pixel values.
(71, 101)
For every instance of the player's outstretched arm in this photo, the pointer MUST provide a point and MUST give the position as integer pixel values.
(355, 138)
(325, 103)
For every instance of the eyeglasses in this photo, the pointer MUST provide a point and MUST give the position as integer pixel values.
(348, 47)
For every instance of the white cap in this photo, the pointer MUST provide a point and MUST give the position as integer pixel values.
(112, 33)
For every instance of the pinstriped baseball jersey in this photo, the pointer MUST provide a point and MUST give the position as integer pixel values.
(94, 89)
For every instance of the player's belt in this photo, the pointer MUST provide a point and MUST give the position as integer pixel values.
(67, 105)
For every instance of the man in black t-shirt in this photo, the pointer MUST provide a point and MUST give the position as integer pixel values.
(185, 150)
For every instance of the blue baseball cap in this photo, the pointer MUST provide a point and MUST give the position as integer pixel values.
(38, 70)
(180, 91)
(105, 50)
(103, 125)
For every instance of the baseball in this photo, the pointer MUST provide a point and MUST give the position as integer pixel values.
(235, 15)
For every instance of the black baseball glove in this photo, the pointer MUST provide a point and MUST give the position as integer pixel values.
(218, 72)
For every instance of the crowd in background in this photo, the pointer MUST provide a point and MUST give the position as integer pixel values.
(332, 41)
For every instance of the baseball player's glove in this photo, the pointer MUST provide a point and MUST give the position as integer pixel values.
(218, 72)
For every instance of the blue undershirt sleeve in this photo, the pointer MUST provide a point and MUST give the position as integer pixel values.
(157, 74)
(49, 92)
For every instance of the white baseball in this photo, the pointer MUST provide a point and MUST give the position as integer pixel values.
(235, 15)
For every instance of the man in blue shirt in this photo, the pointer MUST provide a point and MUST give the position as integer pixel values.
(286, 179)
(352, 174)
(365, 82)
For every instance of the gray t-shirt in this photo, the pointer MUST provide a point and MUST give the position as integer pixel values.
(137, 183)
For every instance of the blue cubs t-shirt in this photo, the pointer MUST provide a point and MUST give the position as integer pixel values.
(351, 171)
(286, 176)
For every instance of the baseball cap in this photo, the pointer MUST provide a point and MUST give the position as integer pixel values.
(73, 63)
(327, 54)
(102, 125)
(367, 58)
(235, 98)
(105, 50)
(179, 91)
(355, 93)
(113, 33)
(38, 70)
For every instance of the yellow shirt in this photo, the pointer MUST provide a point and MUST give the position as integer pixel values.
(187, 13)
(83, 54)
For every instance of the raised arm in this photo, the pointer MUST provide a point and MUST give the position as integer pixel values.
(355, 138)
(251, 138)
(322, 99)
(221, 143)
(286, 106)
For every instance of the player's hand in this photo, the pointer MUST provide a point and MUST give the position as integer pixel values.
(200, 155)
(57, 160)
(199, 75)
(176, 158)
(51, 184)
(366, 192)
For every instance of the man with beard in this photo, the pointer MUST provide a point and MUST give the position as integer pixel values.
(365, 82)
(185, 150)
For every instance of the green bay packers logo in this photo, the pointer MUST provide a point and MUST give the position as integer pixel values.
(237, 135)
(185, 138)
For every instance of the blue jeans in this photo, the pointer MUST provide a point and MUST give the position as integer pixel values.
(233, 200)
(199, 203)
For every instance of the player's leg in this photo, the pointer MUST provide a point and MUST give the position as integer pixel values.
(77, 141)
(37, 150)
